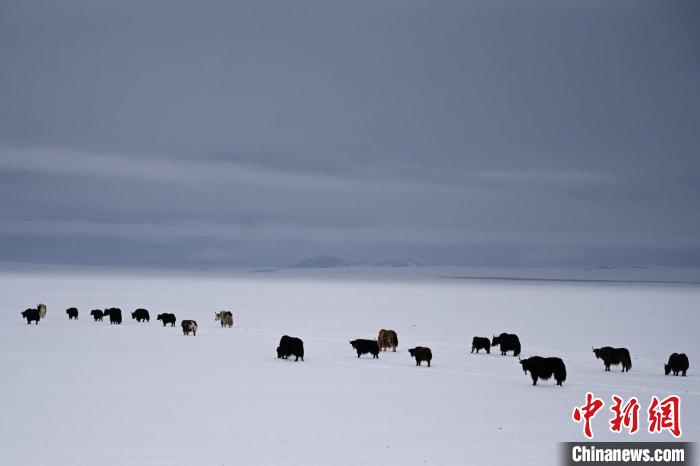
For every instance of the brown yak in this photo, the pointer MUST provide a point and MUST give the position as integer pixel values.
(387, 339)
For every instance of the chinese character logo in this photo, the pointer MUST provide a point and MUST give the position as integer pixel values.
(665, 415)
(626, 416)
(587, 412)
(662, 414)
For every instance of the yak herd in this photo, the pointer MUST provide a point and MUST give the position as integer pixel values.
(538, 367)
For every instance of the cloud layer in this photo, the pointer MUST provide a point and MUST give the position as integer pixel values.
(260, 133)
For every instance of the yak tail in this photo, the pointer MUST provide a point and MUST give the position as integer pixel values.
(516, 348)
(560, 372)
(627, 361)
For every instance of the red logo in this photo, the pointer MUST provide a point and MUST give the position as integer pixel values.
(626, 416)
(665, 415)
(586, 412)
(662, 414)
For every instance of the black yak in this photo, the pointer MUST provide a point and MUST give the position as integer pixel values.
(366, 346)
(613, 357)
(72, 313)
(31, 315)
(479, 343)
(544, 368)
(189, 326)
(97, 314)
(677, 363)
(421, 353)
(167, 318)
(141, 315)
(115, 315)
(290, 346)
(507, 342)
(387, 339)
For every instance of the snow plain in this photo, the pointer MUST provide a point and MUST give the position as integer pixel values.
(86, 393)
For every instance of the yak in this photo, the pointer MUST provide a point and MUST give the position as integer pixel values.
(31, 315)
(189, 326)
(614, 356)
(290, 346)
(421, 353)
(72, 313)
(366, 346)
(387, 339)
(507, 342)
(97, 314)
(481, 343)
(42, 310)
(115, 315)
(167, 318)
(677, 363)
(141, 315)
(225, 317)
(544, 368)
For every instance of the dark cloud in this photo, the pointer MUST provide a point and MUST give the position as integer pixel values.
(477, 132)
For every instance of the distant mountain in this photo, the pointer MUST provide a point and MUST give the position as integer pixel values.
(327, 262)
(616, 267)
(399, 263)
(321, 262)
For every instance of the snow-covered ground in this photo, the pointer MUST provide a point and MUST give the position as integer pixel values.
(86, 393)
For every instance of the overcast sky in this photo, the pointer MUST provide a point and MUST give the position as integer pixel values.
(260, 133)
